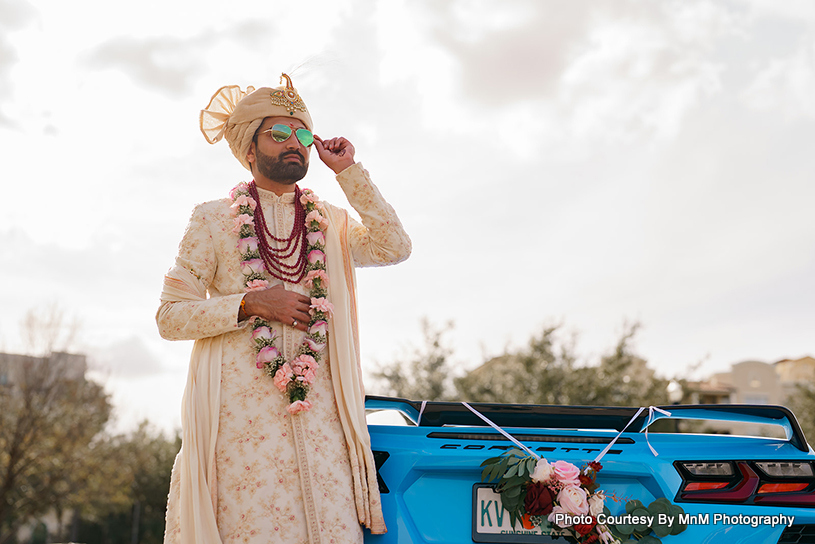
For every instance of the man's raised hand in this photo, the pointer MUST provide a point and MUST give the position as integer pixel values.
(336, 153)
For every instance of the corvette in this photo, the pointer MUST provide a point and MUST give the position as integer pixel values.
(729, 489)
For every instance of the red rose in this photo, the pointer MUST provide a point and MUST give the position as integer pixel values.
(539, 499)
(595, 466)
(584, 528)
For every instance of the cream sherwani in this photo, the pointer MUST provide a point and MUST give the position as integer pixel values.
(274, 477)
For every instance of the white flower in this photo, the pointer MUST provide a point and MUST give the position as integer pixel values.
(596, 503)
(543, 471)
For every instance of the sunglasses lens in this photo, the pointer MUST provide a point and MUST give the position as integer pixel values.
(305, 136)
(280, 133)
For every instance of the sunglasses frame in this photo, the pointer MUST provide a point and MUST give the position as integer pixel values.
(287, 129)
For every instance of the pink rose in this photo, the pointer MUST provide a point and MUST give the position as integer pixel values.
(245, 245)
(316, 237)
(282, 377)
(299, 406)
(308, 196)
(553, 516)
(573, 500)
(315, 274)
(316, 256)
(252, 266)
(241, 220)
(322, 305)
(243, 200)
(313, 345)
(313, 215)
(302, 362)
(263, 332)
(543, 471)
(241, 187)
(267, 354)
(319, 327)
(309, 376)
(566, 473)
(257, 285)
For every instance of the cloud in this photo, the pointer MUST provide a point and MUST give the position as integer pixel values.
(13, 16)
(170, 64)
(165, 63)
(129, 357)
(609, 71)
(786, 84)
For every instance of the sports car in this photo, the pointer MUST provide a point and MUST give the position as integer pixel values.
(728, 488)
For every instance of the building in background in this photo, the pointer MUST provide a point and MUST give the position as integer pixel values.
(751, 382)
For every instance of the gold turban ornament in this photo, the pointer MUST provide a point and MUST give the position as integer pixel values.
(236, 115)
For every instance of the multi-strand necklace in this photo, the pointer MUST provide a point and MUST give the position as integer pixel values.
(258, 257)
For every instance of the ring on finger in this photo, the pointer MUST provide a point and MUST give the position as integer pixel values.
(294, 323)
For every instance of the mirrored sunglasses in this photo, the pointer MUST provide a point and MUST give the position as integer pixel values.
(281, 133)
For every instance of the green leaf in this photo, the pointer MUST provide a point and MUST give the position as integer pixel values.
(490, 461)
(630, 506)
(640, 527)
(661, 529)
(650, 540)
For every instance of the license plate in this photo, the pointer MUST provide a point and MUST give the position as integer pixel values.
(491, 521)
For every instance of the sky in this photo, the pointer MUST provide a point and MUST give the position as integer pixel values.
(587, 164)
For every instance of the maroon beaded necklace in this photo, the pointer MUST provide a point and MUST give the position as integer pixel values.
(273, 257)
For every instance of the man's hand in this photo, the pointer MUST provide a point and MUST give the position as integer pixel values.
(336, 153)
(278, 304)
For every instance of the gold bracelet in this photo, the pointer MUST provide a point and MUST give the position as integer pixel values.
(243, 306)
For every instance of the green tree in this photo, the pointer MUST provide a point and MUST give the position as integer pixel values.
(50, 416)
(544, 372)
(426, 373)
(802, 402)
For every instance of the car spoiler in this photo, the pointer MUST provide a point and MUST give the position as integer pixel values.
(439, 414)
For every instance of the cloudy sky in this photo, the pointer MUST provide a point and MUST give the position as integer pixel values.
(574, 162)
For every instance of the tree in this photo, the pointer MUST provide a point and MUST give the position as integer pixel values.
(542, 373)
(49, 417)
(802, 402)
(426, 374)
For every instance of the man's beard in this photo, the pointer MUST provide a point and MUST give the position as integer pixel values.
(279, 170)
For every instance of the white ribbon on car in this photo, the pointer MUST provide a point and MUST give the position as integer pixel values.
(651, 418)
(421, 411)
(502, 431)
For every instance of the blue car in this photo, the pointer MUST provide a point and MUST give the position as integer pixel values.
(434, 473)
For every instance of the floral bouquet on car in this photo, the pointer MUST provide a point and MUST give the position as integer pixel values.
(558, 497)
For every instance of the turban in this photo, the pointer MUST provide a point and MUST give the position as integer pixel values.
(236, 115)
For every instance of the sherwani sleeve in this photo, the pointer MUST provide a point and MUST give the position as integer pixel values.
(195, 319)
(380, 239)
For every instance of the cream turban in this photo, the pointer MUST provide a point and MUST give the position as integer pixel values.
(236, 115)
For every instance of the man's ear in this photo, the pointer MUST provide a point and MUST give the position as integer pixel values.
(250, 155)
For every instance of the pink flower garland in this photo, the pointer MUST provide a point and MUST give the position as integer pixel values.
(293, 377)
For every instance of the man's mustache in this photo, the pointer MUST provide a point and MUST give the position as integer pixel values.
(297, 153)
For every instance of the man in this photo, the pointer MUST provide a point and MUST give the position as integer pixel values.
(275, 446)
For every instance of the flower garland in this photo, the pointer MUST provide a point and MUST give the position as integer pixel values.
(294, 377)
(535, 492)
(560, 497)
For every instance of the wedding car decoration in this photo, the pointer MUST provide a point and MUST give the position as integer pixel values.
(565, 500)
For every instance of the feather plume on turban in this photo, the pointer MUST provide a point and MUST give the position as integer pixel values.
(236, 115)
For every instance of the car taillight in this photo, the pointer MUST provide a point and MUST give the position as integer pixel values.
(771, 483)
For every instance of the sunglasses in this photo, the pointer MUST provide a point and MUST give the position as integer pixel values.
(281, 133)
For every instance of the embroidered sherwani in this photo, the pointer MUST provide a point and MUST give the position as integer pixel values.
(280, 478)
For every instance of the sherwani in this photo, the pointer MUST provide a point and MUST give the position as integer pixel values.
(280, 478)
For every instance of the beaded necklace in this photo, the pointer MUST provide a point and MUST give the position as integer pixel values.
(293, 378)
